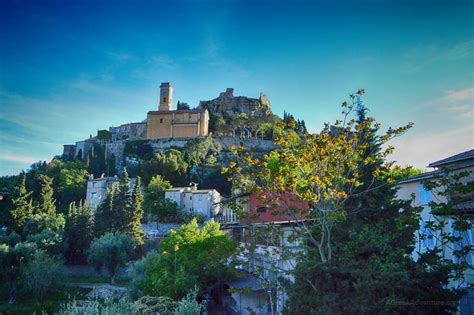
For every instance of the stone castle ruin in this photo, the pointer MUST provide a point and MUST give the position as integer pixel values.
(228, 106)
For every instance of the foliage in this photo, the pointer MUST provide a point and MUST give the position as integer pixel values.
(12, 260)
(47, 204)
(104, 135)
(138, 148)
(49, 240)
(115, 213)
(69, 181)
(201, 151)
(104, 216)
(150, 305)
(41, 274)
(189, 306)
(358, 238)
(136, 273)
(182, 106)
(109, 306)
(189, 256)
(169, 164)
(111, 251)
(136, 214)
(78, 232)
(22, 208)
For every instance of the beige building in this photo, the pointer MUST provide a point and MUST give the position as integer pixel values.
(167, 123)
(428, 239)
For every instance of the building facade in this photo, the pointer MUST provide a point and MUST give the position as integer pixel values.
(167, 123)
(193, 200)
(97, 189)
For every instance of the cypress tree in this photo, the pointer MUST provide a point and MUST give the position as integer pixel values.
(22, 208)
(79, 232)
(104, 216)
(47, 204)
(136, 214)
(122, 204)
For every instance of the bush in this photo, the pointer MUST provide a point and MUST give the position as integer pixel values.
(136, 273)
(41, 274)
(189, 306)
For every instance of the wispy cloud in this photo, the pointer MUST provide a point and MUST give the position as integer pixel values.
(460, 95)
(423, 56)
(21, 159)
(421, 149)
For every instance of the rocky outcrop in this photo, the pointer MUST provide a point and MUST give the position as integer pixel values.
(227, 105)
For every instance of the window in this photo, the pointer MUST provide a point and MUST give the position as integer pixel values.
(261, 209)
(164, 99)
(427, 235)
(94, 196)
(425, 195)
(191, 197)
(465, 243)
(161, 120)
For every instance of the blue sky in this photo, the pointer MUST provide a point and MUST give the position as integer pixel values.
(69, 68)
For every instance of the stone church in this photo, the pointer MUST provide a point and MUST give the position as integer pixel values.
(166, 123)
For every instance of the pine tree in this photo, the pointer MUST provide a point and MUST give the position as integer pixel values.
(136, 214)
(78, 232)
(22, 208)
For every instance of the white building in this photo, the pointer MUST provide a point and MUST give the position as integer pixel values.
(97, 189)
(429, 239)
(191, 199)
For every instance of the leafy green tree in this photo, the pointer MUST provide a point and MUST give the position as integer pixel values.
(136, 214)
(78, 232)
(190, 256)
(111, 251)
(154, 203)
(69, 181)
(12, 259)
(41, 274)
(51, 241)
(136, 273)
(359, 239)
(200, 151)
(22, 208)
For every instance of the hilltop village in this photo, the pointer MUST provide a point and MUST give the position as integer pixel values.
(227, 119)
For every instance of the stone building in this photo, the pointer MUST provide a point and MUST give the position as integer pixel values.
(167, 123)
(191, 199)
(131, 131)
(97, 189)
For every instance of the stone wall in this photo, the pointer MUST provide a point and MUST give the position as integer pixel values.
(131, 131)
(117, 148)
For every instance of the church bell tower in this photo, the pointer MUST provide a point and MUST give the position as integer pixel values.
(166, 96)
